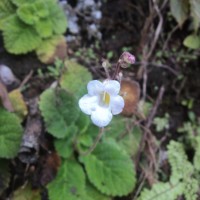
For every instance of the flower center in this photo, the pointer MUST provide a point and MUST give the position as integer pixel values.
(105, 99)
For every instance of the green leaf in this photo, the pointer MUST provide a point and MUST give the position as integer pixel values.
(6, 10)
(10, 134)
(192, 41)
(20, 2)
(4, 175)
(94, 194)
(117, 127)
(86, 138)
(83, 122)
(19, 37)
(131, 141)
(26, 193)
(57, 17)
(60, 112)
(65, 146)
(127, 138)
(110, 170)
(195, 12)
(75, 78)
(46, 52)
(180, 10)
(44, 28)
(41, 9)
(27, 14)
(69, 182)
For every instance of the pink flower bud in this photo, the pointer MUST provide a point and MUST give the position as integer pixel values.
(128, 58)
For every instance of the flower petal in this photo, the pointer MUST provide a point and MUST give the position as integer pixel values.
(95, 87)
(101, 117)
(88, 103)
(112, 87)
(116, 104)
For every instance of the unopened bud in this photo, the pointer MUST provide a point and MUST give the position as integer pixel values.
(128, 58)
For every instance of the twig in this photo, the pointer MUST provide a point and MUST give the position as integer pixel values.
(26, 79)
(149, 122)
(160, 66)
(155, 108)
(169, 37)
(139, 188)
(158, 30)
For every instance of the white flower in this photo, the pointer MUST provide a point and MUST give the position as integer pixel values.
(102, 101)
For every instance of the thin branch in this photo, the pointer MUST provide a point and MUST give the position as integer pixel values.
(158, 30)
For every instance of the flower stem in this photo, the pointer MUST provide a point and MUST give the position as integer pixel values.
(97, 139)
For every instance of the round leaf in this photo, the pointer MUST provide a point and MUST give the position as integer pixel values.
(19, 37)
(110, 170)
(60, 112)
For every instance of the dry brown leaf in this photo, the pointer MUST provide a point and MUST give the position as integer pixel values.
(130, 91)
(18, 103)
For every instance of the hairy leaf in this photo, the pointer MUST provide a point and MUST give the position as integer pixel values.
(64, 146)
(75, 78)
(83, 122)
(10, 134)
(57, 17)
(192, 41)
(6, 9)
(19, 37)
(180, 10)
(27, 14)
(94, 194)
(108, 167)
(21, 2)
(44, 28)
(69, 183)
(60, 112)
(41, 9)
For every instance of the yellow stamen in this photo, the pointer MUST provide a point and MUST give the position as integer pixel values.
(106, 98)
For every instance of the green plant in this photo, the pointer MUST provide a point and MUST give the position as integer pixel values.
(10, 134)
(29, 25)
(161, 123)
(100, 173)
(182, 180)
(183, 10)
